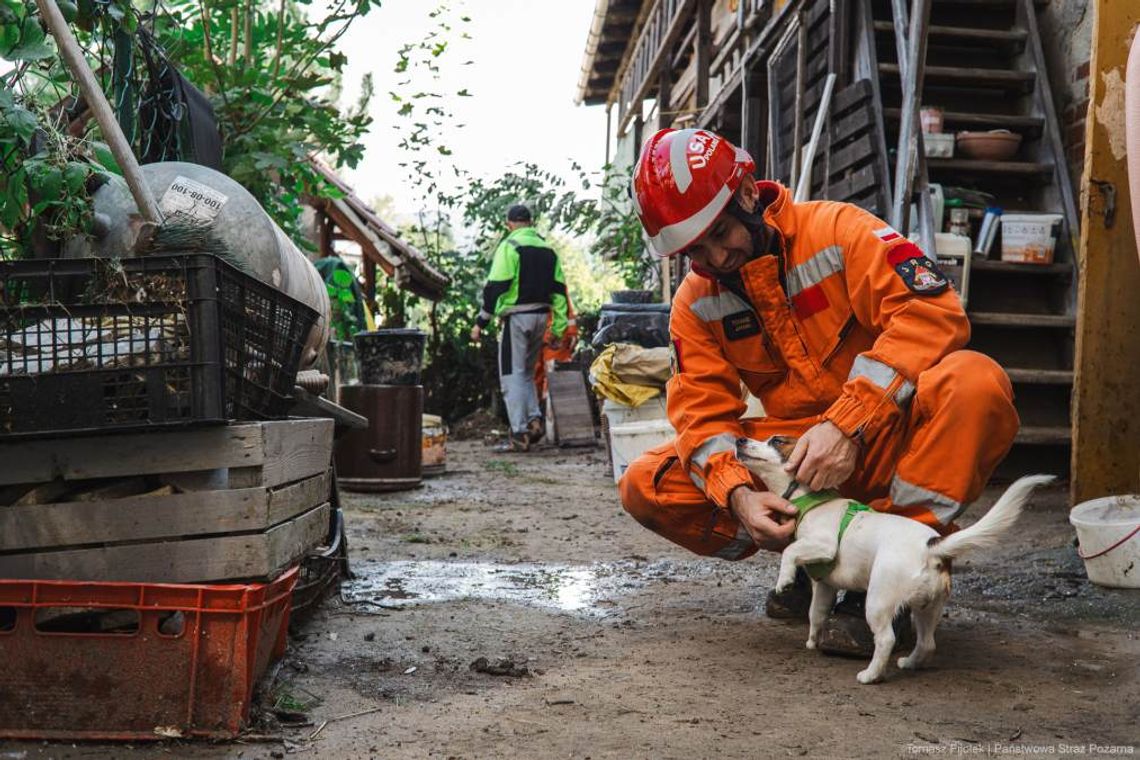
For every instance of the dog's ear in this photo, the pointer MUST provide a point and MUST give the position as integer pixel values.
(784, 444)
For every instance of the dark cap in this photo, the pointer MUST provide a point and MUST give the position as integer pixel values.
(518, 213)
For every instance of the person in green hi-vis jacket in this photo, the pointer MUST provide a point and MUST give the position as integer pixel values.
(525, 285)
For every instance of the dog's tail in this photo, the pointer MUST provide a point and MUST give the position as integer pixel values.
(986, 531)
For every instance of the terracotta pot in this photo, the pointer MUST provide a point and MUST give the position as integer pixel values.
(995, 145)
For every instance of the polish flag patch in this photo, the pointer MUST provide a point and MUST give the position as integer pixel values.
(887, 234)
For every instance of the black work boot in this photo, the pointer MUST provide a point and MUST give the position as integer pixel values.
(845, 631)
(793, 602)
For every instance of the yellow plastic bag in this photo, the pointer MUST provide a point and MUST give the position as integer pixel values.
(619, 363)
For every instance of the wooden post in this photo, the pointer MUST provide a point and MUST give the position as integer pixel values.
(798, 102)
(926, 220)
(369, 277)
(1106, 390)
(325, 230)
(664, 97)
(72, 56)
(703, 43)
(908, 122)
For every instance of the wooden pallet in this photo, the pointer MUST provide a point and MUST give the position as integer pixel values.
(572, 422)
(242, 501)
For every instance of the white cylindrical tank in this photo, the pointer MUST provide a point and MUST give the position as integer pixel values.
(235, 219)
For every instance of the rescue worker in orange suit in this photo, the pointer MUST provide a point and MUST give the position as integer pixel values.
(555, 350)
(846, 331)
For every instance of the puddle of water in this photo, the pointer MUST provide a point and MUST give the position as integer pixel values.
(580, 589)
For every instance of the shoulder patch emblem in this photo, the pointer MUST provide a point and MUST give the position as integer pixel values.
(917, 270)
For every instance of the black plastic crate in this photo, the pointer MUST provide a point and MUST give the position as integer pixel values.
(104, 344)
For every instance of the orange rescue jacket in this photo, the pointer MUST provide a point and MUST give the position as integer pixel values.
(839, 324)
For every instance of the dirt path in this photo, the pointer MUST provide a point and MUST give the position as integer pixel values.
(633, 648)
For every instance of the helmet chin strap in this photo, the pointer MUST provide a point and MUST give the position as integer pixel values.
(754, 222)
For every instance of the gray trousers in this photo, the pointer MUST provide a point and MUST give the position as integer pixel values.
(520, 343)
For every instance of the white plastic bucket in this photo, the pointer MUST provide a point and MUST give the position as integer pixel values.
(1029, 238)
(632, 439)
(1107, 531)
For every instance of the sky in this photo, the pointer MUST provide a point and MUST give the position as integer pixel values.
(526, 57)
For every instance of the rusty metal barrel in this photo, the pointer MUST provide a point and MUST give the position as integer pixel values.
(388, 455)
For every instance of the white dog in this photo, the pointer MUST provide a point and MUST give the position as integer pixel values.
(899, 562)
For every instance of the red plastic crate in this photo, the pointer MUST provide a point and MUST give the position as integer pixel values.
(198, 682)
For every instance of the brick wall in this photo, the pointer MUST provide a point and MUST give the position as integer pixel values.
(1066, 31)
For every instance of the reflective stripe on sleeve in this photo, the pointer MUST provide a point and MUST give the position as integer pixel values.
(716, 308)
(882, 375)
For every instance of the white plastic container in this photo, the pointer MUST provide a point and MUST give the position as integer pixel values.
(1029, 238)
(620, 414)
(1109, 539)
(938, 145)
(632, 439)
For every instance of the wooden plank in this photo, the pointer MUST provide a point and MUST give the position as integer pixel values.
(1030, 126)
(850, 97)
(1060, 271)
(106, 456)
(140, 518)
(975, 166)
(986, 37)
(964, 76)
(860, 150)
(1106, 396)
(286, 449)
(1040, 376)
(294, 449)
(201, 560)
(853, 124)
(1043, 436)
(1022, 320)
(572, 420)
(854, 185)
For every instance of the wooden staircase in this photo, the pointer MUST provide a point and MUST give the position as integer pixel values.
(985, 69)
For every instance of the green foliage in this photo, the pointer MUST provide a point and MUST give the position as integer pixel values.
(268, 67)
(44, 181)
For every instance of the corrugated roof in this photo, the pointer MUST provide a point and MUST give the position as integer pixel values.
(612, 31)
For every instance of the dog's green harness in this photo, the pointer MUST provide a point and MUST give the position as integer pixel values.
(809, 501)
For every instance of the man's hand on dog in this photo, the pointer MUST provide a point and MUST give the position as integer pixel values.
(823, 457)
(768, 518)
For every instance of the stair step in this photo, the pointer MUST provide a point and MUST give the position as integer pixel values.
(1030, 126)
(967, 34)
(1002, 319)
(983, 3)
(977, 166)
(1011, 267)
(1044, 436)
(964, 76)
(1040, 376)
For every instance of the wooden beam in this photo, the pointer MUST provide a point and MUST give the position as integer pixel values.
(1106, 394)
(703, 50)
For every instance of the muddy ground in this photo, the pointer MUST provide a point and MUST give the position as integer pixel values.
(621, 645)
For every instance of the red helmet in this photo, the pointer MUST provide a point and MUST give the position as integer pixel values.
(682, 182)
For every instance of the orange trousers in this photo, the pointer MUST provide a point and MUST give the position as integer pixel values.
(929, 466)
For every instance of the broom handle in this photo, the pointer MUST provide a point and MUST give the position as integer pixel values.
(93, 94)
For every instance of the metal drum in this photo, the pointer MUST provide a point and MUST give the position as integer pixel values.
(388, 456)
